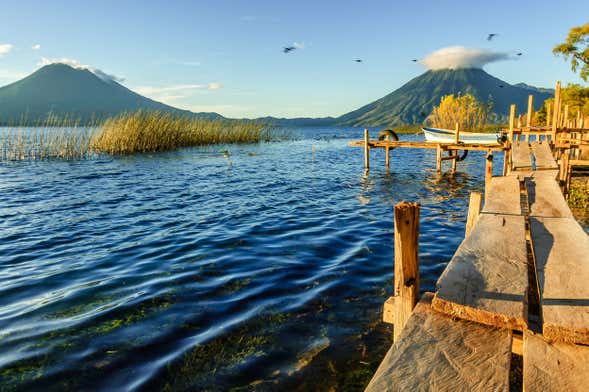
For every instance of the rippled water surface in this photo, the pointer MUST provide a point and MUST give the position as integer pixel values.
(265, 268)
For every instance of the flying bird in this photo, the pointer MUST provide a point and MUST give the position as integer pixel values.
(519, 54)
(288, 49)
(358, 60)
(501, 86)
(491, 36)
(414, 60)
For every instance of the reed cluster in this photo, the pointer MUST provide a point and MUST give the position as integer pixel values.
(128, 133)
(159, 131)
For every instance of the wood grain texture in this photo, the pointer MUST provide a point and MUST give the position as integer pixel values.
(520, 156)
(554, 367)
(487, 280)
(503, 196)
(543, 156)
(545, 198)
(561, 249)
(437, 353)
(523, 174)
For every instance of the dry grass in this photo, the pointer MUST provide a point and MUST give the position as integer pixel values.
(124, 134)
(156, 131)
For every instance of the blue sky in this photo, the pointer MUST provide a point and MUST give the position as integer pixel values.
(225, 56)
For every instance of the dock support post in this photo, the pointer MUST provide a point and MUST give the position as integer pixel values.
(438, 159)
(406, 263)
(549, 114)
(366, 151)
(556, 111)
(455, 152)
(530, 110)
(564, 169)
(488, 171)
(387, 152)
(474, 209)
(565, 119)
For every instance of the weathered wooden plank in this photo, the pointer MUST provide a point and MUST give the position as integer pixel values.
(561, 249)
(406, 144)
(503, 196)
(436, 353)
(554, 367)
(520, 156)
(543, 156)
(545, 198)
(487, 281)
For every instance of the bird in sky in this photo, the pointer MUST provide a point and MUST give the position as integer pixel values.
(501, 86)
(414, 60)
(491, 36)
(358, 60)
(288, 49)
(519, 53)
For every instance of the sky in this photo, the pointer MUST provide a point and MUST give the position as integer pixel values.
(226, 56)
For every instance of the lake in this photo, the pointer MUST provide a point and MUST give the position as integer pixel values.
(260, 267)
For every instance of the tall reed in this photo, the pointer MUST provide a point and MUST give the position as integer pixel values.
(128, 133)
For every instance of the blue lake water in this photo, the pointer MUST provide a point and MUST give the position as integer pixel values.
(262, 269)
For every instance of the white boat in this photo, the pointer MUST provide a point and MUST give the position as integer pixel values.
(439, 135)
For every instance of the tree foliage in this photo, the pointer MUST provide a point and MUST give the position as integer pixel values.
(574, 95)
(465, 110)
(576, 47)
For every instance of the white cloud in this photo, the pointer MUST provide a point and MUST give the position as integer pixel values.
(5, 49)
(299, 45)
(36, 47)
(169, 94)
(76, 64)
(455, 57)
(214, 86)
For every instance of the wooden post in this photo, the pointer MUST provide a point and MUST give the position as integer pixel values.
(406, 263)
(519, 123)
(511, 122)
(474, 209)
(556, 111)
(565, 121)
(548, 114)
(488, 171)
(387, 160)
(438, 159)
(530, 110)
(455, 153)
(506, 154)
(366, 151)
(564, 165)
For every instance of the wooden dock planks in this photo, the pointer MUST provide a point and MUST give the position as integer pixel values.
(543, 156)
(561, 250)
(503, 196)
(436, 353)
(523, 174)
(520, 156)
(554, 367)
(545, 198)
(487, 280)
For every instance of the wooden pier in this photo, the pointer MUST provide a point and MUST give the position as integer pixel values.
(517, 287)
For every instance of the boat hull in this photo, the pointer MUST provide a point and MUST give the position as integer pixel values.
(438, 135)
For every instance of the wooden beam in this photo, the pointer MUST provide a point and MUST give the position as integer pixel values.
(548, 114)
(556, 111)
(560, 249)
(488, 171)
(487, 279)
(455, 153)
(554, 366)
(437, 353)
(511, 122)
(406, 262)
(474, 210)
(387, 151)
(530, 112)
(438, 159)
(366, 150)
(503, 196)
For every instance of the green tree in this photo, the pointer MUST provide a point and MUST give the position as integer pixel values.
(576, 47)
